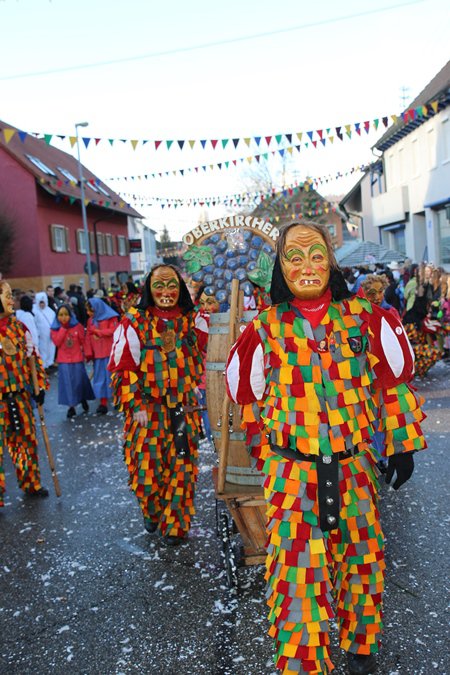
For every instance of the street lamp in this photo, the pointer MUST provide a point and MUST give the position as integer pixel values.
(83, 206)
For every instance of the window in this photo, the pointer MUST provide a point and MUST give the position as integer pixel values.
(392, 173)
(41, 166)
(67, 174)
(122, 245)
(100, 243)
(446, 140)
(59, 238)
(431, 148)
(81, 247)
(444, 237)
(401, 165)
(109, 244)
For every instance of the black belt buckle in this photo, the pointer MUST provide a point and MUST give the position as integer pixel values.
(328, 491)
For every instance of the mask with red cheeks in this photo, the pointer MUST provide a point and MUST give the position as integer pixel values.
(6, 300)
(165, 288)
(305, 263)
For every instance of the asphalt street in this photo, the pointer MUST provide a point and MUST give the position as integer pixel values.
(85, 590)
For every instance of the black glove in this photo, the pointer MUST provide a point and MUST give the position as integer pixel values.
(39, 398)
(403, 464)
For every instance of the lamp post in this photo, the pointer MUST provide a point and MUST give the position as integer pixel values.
(83, 206)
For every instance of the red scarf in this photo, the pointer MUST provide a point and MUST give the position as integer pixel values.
(315, 309)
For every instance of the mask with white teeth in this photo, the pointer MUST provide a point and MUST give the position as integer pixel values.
(165, 288)
(305, 263)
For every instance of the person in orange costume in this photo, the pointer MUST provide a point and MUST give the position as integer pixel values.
(157, 364)
(316, 374)
(17, 425)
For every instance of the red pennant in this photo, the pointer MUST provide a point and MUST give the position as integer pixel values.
(157, 144)
(214, 143)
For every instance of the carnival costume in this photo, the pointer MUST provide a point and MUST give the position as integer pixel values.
(156, 361)
(99, 338)
(17, 424)
(312, 377)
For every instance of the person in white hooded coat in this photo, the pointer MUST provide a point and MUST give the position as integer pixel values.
(44, 317)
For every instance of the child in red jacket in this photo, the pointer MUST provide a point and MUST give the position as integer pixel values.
(102, 323)
(73, 383)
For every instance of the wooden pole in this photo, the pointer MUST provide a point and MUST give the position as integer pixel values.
(225, 437)
(40, 408)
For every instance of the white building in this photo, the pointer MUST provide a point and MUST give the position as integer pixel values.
(142, 241)
(404, 197)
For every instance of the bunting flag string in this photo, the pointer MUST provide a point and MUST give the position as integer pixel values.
(316, 136)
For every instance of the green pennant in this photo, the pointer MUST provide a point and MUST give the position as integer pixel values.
(278, 138)
(224, 142)
(111, 141)
(169, 143)
(48, 138)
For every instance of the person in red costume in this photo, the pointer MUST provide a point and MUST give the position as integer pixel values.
(316, 374)
(17, 425)
(102, 323)
(74, 386)
(157, 364)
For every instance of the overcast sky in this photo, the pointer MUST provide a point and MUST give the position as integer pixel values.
(196, 69)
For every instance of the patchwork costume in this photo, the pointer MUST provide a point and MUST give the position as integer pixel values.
(312, 396)
(156, 360)
(17, 424)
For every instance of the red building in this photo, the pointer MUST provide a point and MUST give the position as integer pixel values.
(40, 197)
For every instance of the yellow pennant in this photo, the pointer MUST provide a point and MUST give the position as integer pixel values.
(134, 144)
(8, 134)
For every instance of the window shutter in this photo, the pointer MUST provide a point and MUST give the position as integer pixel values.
(80, 241)
(66, 238)
(92, 242)
(127, 245)
(52, 238)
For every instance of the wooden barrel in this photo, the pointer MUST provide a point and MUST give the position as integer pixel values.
(238, 469)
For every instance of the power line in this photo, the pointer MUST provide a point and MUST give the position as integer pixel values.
(208, 45)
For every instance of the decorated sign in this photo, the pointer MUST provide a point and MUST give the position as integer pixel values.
(235, 247)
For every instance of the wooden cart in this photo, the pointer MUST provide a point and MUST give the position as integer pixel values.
(238, 487)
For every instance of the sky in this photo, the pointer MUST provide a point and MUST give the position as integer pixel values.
(196, 69)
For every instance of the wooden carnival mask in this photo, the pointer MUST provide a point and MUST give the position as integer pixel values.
(165, 288)
(305, 263)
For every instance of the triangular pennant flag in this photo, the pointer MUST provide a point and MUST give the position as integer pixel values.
(257, 140)
(235, 142)
(48, 138)
(314, 143)
(268, 139)
(224, 143)
(220, 166)
(168, 144)
(338, 133)
(289, 138)
(191, 143)
(376, 122)
(227, 164)
(97, 141)
(22, 135)
(111, 141)
(214, 143)
(424, 110)
(348, 130)
(134, 144)
(358, 128)
(86, 141)
(320, 133)
(385, 121)
(367, 127)
(8, 134)
(123, 140)
(203, 143)
(234, 161)
(265, 155)
(290, 150)
(157, 144)
(299, 135)
(310, 134)
(323, 141)
(394, 118)
(180, 144)
(182, 172)
(247, 141)
(297, 147)
(278, 138)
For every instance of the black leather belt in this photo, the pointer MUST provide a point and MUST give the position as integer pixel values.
(327, 481)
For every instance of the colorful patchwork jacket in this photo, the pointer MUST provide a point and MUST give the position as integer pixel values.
(16, 346)
(325, 389)
(156, 357)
